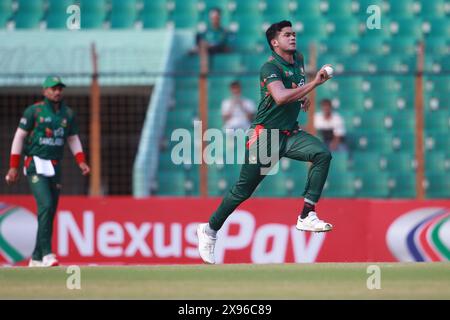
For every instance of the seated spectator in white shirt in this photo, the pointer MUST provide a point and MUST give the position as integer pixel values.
(237, 111)
(330, 126)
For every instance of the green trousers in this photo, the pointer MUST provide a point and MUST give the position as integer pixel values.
(46, 193)
(300, 146)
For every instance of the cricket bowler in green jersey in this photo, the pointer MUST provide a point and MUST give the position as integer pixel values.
(283, 95)
(42, 133)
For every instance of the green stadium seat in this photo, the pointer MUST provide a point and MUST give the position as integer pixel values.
(340, 185)
(250, 29)
(401, 121)
(277, 185)
(226, 63)
(436, 141)
(277, 10)
(432, 8)
(372, 185)
(438, 185)
(359, 63)
(381, 83)
(369, 121)
(184, 20)
(403, 142)
(309, 9)
(349, 100)
(391, 63)
(342, 8)
(297, 169)
(399, 162)
(403, 45)
(372, 46)
(186, 97)
(313, 27)
(123, 14)
(402, 185)
(254, 62)
(366, 162)
(438, 121)
(339, 46)
(437, 27)
(247, 43)
(154, 7)
(402, 8)
(185, 6)
(93, 14)
(154, 20)
(25, 20)
(437, 162)
(437, 45)
(380, 141)
(56, 21)
(247, 6)
(385, 101)
(172, 183)
(190, 64)
(6, 12)
(343, 27)
(407, 27)
(339, 163)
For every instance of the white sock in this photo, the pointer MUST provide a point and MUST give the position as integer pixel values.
(210, 232)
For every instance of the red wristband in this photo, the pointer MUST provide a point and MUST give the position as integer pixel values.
(14, 161)
(79, 157)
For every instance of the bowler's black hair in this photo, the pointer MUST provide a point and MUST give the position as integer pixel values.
(235, 83)
(273, 30)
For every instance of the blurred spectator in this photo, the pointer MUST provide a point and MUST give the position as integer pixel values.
(216, 36)
(237, 111)
(330, 126)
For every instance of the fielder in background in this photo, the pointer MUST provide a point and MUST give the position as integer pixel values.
(42, 133)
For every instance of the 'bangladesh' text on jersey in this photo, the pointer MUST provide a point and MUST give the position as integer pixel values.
(271, 115)
(47, 130)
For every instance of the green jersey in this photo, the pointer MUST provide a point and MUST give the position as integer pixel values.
(271, 115)
(47, 130)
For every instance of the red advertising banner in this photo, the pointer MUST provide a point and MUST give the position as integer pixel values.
(124, 230)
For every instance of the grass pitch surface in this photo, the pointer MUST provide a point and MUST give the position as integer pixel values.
(241, 281)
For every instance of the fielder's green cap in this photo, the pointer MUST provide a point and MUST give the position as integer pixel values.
(52, 81)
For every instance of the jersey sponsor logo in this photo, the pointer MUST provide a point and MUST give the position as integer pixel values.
(58, 142)
(421, 235)
(23, 121)
(289, 73)
(273, 75)
(35, 179)
(59, 132)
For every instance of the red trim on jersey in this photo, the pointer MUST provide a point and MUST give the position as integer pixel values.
(28, 161)
(255, 135)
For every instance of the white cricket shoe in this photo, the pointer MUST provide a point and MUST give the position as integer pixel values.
(50, 260)
(35, 263)
(313, 223)
(206, 244)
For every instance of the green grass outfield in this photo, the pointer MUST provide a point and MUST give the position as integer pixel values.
(238, 281)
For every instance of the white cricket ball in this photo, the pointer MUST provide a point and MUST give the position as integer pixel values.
(329, 70)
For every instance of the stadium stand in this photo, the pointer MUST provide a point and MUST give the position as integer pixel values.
(375, 92)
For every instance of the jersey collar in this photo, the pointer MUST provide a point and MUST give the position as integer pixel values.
(282, 61)
(48, 104)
